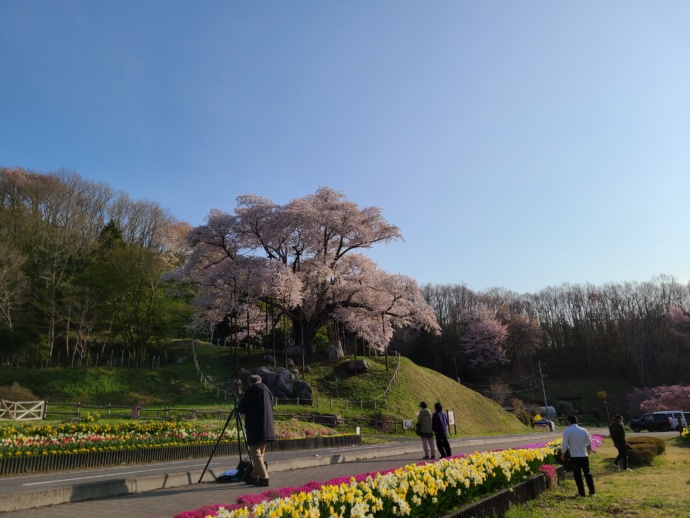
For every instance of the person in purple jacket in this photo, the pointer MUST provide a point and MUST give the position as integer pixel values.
(439, 423)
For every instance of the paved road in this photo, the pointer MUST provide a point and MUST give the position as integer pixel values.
(165, 489)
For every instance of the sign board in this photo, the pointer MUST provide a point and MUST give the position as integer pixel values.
(451, 417)
(408, 424)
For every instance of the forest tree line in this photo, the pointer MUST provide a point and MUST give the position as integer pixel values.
(81, 267)
(639, 331)
(85, 268)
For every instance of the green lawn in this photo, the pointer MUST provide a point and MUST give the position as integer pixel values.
(659, 490)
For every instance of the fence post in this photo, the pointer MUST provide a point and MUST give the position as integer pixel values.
(109, 405)
(78, 408)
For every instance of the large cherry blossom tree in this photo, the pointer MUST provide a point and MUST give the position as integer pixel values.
(304, 260)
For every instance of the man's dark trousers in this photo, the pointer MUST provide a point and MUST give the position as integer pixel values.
(443, 445)
(580, 466)
(622, 455)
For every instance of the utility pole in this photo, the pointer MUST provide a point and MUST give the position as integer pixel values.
(543, 391)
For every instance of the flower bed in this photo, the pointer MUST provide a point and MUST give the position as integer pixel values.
(32, 440)
(418, 490)
(82, 445)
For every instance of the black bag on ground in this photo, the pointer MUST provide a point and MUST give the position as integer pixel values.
(240, 474)
(244, 469)
(566, 462)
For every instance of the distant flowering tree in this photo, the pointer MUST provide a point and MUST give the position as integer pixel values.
(303, 260)
(673, 397)
(484, 337)
(679, 321)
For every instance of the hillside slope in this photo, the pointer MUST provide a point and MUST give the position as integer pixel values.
(474, 413)
(180, 385)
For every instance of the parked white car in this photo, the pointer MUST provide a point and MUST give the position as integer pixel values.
(678, 421)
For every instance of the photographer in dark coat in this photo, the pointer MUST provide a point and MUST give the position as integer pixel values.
(257, 407)
(617, 432)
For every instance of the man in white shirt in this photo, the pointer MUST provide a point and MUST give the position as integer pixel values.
(580, 444)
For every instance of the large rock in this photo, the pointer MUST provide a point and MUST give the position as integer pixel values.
(283, 388)
(294, 351)
(268, 377)
(282, 371)
(304, 397)
(303, 385)
(356, 366)
(334, 351)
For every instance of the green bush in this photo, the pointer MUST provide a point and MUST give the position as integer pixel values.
(642, 454)
(658, 444)
(16, 392)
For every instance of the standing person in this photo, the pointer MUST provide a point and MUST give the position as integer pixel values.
(579, 442)
(439, 423)
(426, 431)
(257, 407)
(617, 432)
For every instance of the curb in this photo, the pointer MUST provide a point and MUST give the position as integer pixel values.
(118, 487)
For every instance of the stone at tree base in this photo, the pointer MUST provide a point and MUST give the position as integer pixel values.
(359, 365)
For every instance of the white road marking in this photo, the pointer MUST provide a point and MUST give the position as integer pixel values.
(57, 481)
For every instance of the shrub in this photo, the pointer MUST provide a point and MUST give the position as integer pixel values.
(658, 444)
(642, 454)
(16, 392)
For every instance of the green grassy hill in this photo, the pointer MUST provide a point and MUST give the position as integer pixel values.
(179, 385)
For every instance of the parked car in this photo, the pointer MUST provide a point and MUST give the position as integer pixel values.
(687, 418)
(678, 421)
(658, 422)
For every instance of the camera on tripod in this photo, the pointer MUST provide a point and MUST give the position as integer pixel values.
(235, 387)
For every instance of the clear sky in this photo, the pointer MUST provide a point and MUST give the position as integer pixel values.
(516, 144)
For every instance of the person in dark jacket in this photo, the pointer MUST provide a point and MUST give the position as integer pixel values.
(439, 423)
(617, 432)
(257, 407)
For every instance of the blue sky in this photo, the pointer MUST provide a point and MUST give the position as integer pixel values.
(516, 144)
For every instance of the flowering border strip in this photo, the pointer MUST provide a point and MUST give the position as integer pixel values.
(93, 458)
(423, 490)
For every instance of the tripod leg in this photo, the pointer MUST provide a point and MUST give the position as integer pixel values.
(217, 443)
(242, 441)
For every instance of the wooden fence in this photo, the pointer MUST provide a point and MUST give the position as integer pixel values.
(21, 410)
